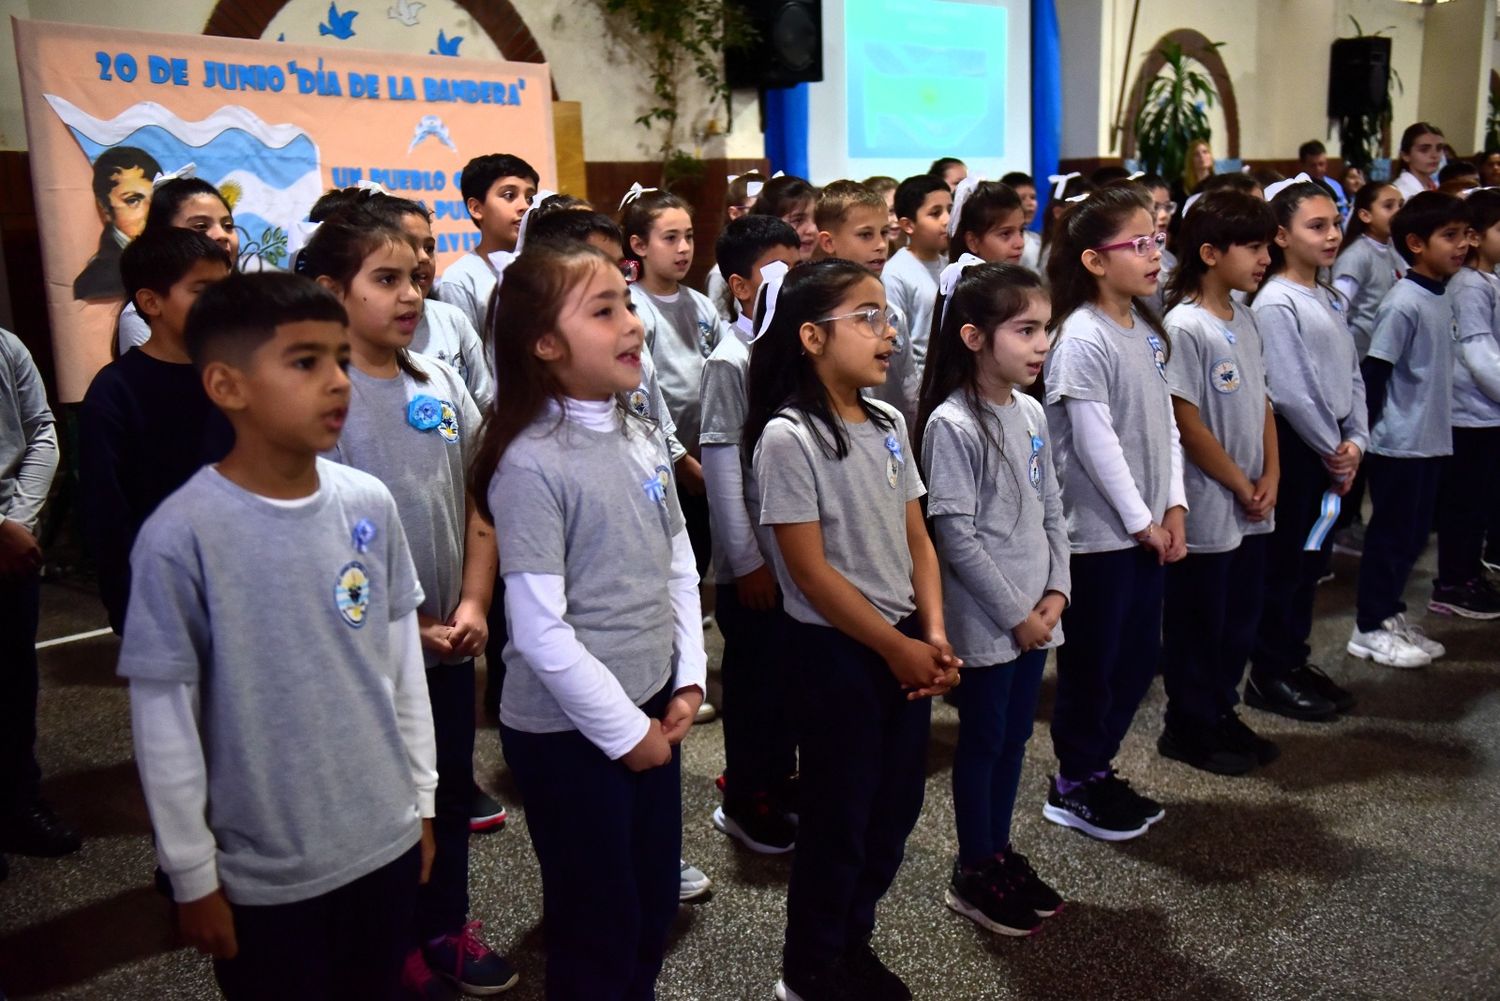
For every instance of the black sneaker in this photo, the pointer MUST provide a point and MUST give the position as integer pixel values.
(1469, 600)
(1205, 749)
(1094, 810)
(1293, 696)
(757, 824)
(35, 830)
(1311, 676)
(870, 979)
(1037, 895)
(830, 984)
(485, 812)
(989, 898)
(1149, 809)
(1239, 735)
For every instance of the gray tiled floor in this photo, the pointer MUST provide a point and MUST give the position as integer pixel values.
(1363, 864)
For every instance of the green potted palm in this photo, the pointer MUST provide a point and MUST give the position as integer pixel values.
(1174, 113)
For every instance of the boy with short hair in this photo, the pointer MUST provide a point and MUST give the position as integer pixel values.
(273, 628)
(1410, 393)
(28, 460)
(146, 424)
(923, 207)
(1024, 186)
(851, 219)
(498, 189)
(759, 748)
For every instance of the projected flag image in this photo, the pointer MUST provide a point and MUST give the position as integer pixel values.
(913, 92)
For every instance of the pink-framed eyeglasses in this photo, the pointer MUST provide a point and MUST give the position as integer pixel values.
(1142, 245)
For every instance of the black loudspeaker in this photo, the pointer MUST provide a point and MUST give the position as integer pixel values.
(788, 47)
(1359, 73)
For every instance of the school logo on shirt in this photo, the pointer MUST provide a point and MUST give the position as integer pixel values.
(1034, 467)
(656, 485)
(448, 425)
(705, 339)
(1158, 355)
(636, 401)
(456, 359)
(1225, 376)
(351, 593)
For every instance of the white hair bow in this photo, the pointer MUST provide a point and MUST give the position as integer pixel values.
(779, 173)
(636, 191)
(752, 187)
(1136, 176)
(1187, 206)
(948, 280)
(772, 276)
(374, 187)
(1275, 189)
(1077, 198)
(499, 261)
(542, 194)
(186, 170)
(1059, 182)
(961, 194)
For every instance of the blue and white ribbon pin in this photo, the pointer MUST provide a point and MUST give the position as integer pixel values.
(1330, 507)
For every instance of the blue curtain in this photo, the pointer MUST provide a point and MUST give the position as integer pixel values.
(1046, 101)
(786, 129)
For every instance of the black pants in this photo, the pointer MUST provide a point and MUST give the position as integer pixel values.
(1467, 500)
(1403, 497)
(1209, 620)
(20, 778)
(346, 945)
(1349, 510)
(1113, 630)
(864, 751)
(609, 841)
(443, 904)
(695, 513)
(1291, 576)
(494, 648)
(760, 749)
(996, 710)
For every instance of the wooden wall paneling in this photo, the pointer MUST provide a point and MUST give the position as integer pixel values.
(567, 141)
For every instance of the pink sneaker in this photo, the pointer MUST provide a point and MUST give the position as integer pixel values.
(419, 983)
(471, 965)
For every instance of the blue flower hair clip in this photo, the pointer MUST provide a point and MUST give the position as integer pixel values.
(424, 413)
(363, 534)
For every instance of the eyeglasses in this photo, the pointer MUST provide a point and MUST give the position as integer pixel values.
(1170, 208)
(1142, 245)
(876, 319)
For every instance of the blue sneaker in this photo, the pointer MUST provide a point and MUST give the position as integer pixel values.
(471, 965)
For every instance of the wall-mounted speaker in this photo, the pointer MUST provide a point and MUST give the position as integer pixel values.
(1359, 74)
(788, 48)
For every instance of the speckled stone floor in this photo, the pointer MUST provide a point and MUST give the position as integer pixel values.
(1361, 865)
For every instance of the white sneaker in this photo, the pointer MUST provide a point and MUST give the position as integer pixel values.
(692, 882)
(1415, 636)
(1387, 646)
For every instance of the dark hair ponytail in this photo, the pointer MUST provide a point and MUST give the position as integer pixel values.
(639, 215)
(1364, 201)
(986, 296)
(337, 251)
(782, 376)
(982, 211)
(1284, 207)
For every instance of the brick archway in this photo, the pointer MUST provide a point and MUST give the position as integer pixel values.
(498, 18)
(1194, 46)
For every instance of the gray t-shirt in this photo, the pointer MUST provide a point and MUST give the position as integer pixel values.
(682, 330)
(1476, 303)
(445, 333)
(1218, 368)
(25, 419)
(1098, 360)
(280, 616)
(468, 284)
(423, 469)
(724, 404)
(1414, 331)
(1002, 537)
(911, 287)
(1312, 369)
(1372, 268)
(599, 509)
(716, 288)
(860, 502)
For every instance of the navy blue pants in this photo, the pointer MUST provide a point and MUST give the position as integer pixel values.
(346, 945)
(494, 662)
(1468, 498)
(1113, 627)
(863, 753)
(609, 841)
(760, 749)
(1403, 500)
(1291, 576)
(443, 904)
(20, 778)
(996, 705)
(1209, 621)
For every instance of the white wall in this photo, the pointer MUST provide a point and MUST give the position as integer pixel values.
(588, 64)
